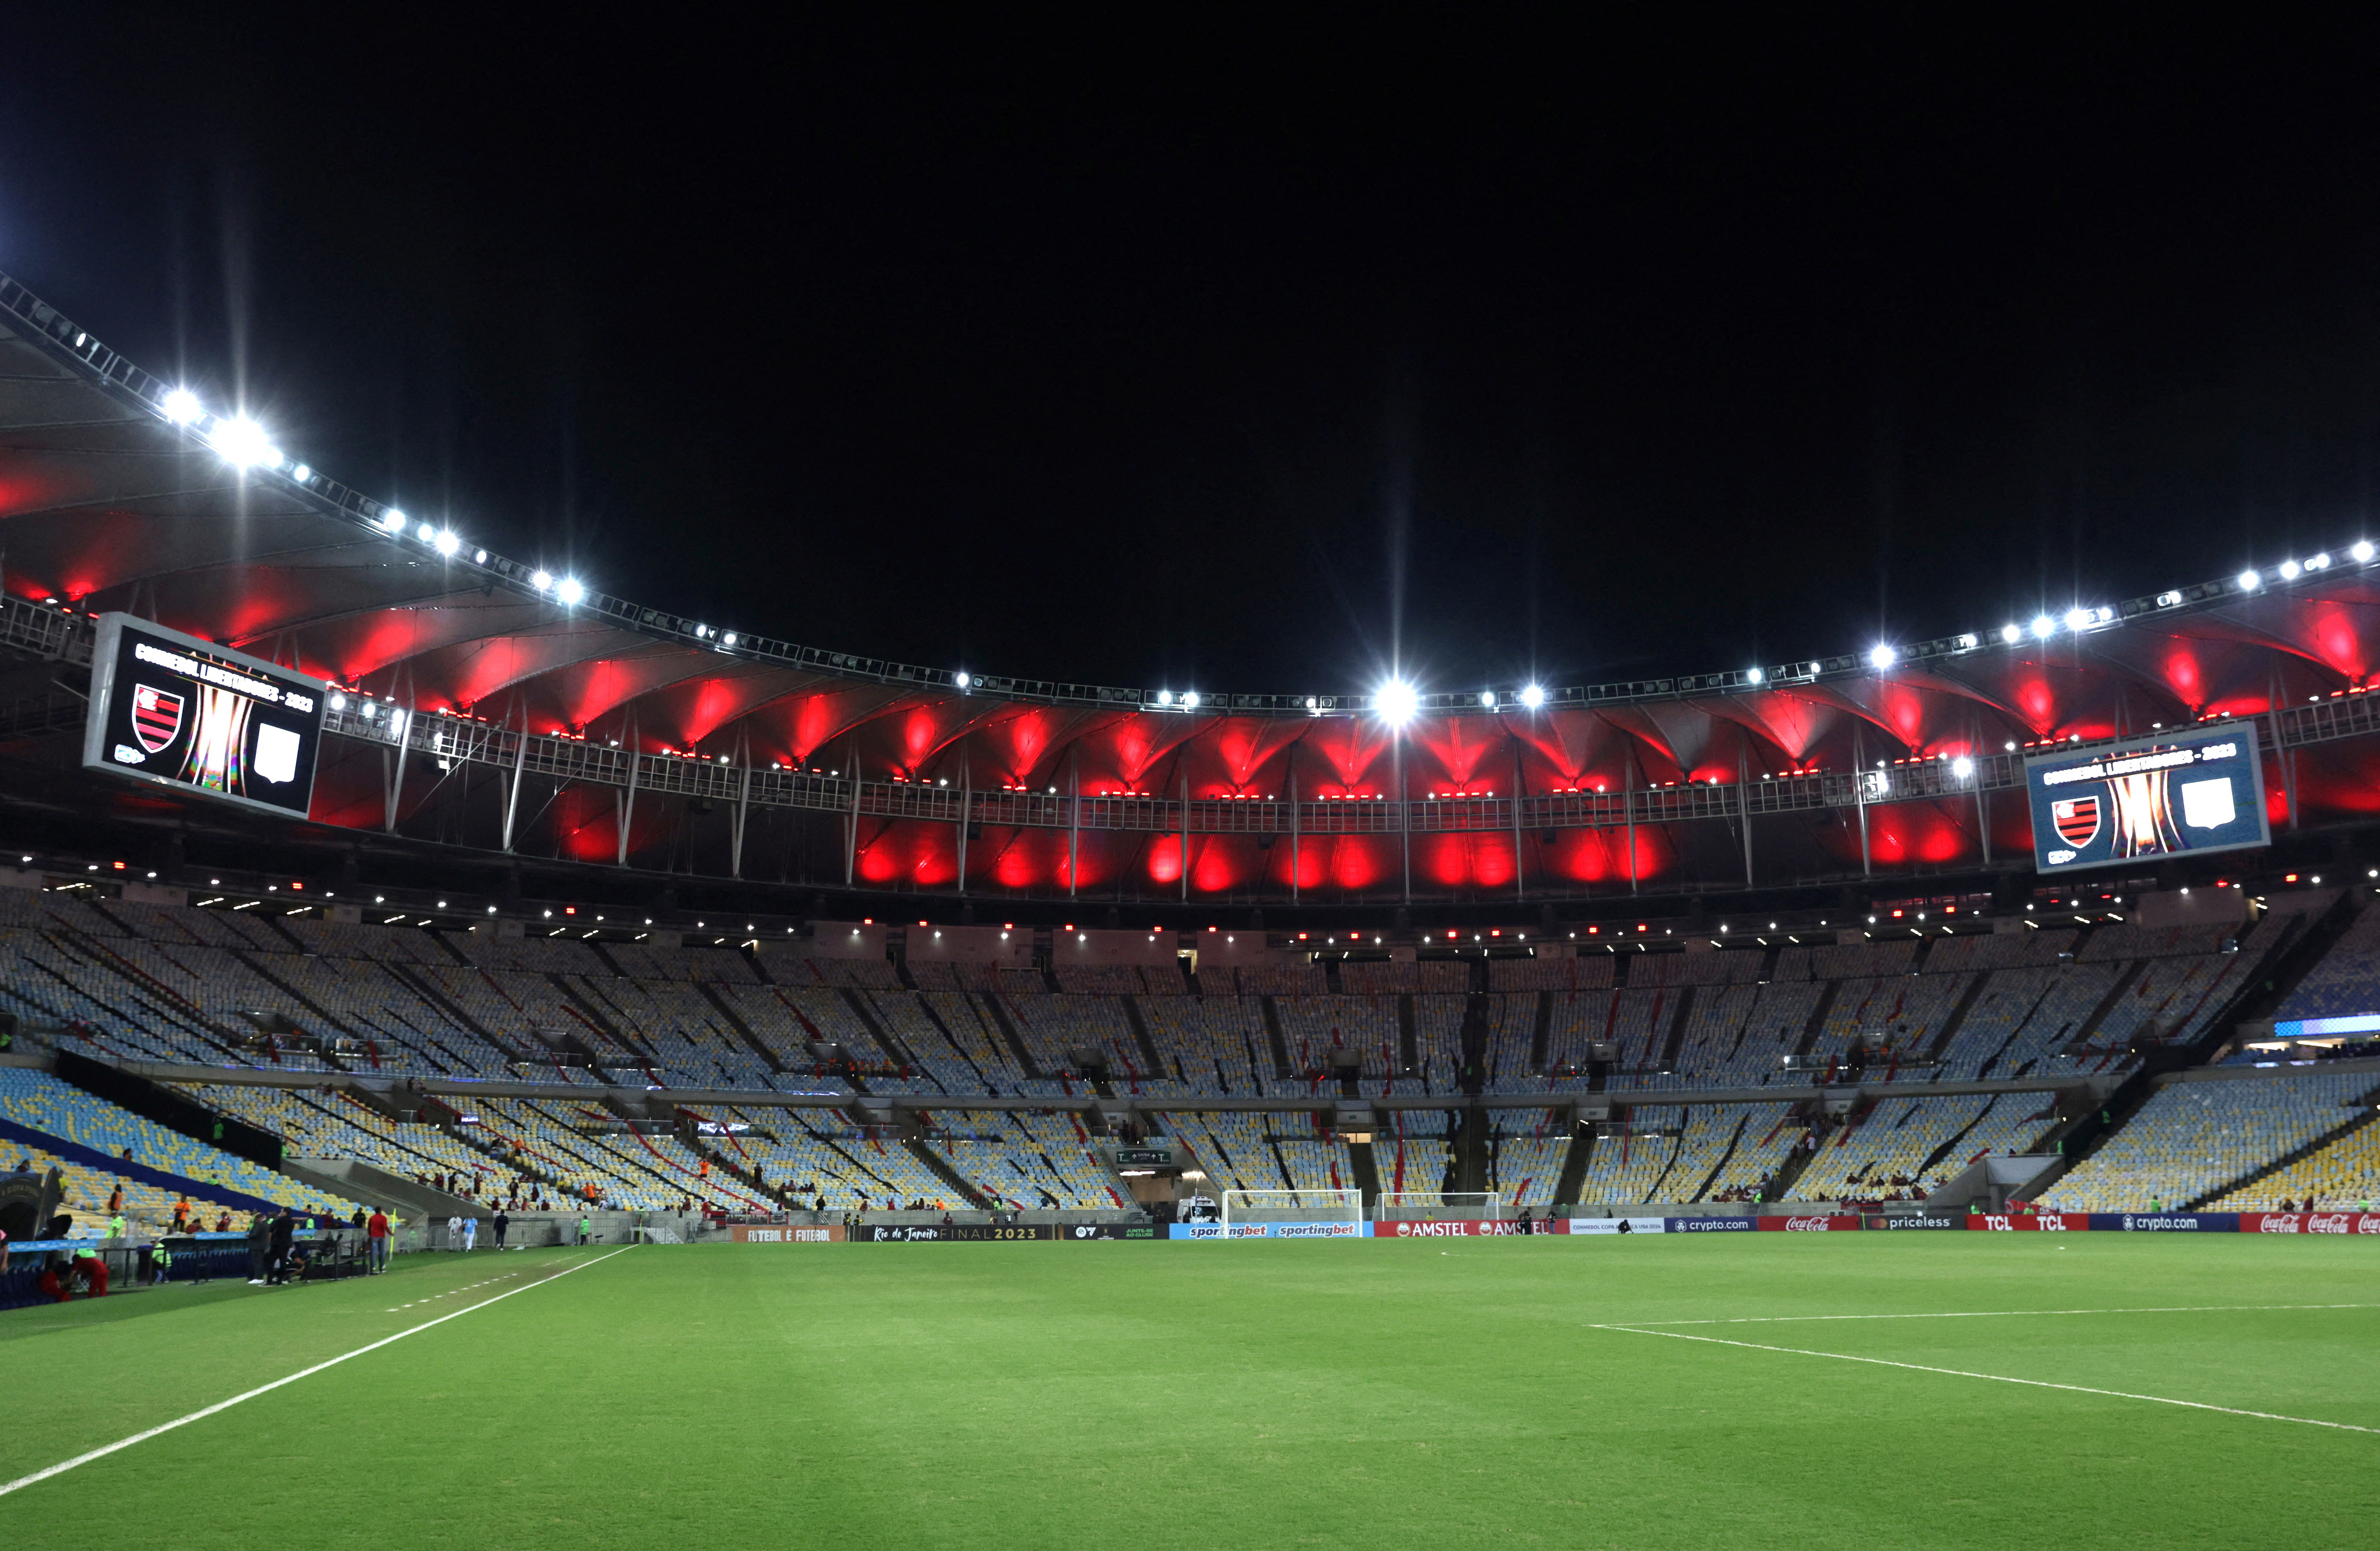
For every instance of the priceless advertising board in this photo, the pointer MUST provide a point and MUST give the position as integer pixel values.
(2196, 789)
(823, 1233)
(179, 712)
(1893, 1222)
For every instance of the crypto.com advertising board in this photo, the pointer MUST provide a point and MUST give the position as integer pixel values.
(184, 713)
(2192, 790)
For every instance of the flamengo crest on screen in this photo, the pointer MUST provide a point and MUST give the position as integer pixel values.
(177, 711)
(2195, 789)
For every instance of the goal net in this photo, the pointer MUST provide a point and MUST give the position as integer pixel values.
(1438, 1205)
(1258, 1213)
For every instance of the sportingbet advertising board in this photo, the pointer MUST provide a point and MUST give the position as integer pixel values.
(2188, 791)
(179, 712)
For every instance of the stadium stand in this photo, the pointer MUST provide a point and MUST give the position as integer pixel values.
(2192, 1139)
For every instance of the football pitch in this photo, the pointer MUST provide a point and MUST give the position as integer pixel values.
(1871, 1391)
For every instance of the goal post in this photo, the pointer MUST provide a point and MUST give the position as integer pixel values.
(1438, 1205)
(1293, 1213)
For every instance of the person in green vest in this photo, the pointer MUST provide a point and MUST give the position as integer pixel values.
(584, 1223)
(115, 1226)
(159, 1261)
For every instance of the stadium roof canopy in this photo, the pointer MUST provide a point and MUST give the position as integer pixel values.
(119, 492)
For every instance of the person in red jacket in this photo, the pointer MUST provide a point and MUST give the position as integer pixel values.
(376, 1241)
(92, 1271)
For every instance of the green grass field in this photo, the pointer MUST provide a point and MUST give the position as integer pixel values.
(1354, 1394)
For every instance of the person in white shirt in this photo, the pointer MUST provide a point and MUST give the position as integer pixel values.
(454, 1234)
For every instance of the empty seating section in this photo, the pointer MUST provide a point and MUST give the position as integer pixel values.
(42, 1103)
(1212, 1042)
(1023, 1160)
(1884, 1154)
(327, 1124)
(1315, 1028)
(1409, 1150)
(2347, 982)
(2191, 1139)
(282, 987)
(2341, 1175)
(1526, 1151)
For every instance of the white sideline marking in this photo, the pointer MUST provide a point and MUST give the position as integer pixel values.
(1985, 1313)
(1997, 1378)
(103, 1450)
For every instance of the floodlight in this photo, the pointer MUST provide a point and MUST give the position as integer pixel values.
(1487, 697)
(1165, 696)
(2076, 619)
(1882, 657)
(1962, 767)
(1189, 700)
(729, 640)
(540, 581)
(391, 521)
(242, 443)
(302, 474)
(182, 406)
(960, 679)
(338, 702)
(2044, 627)
(2362, 551)
(2289, 569)
(1533, 697)
(1396, 701)
(2249, 581)
(478, 557)
(2010, 634)
(2319, 563)
(569, 589)
(1753, 675)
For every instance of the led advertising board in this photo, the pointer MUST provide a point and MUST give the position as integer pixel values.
(179, 712)
(2189, 792)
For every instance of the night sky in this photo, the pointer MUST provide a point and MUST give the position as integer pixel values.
(1217, 350)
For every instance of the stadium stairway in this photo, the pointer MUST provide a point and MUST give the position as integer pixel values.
(924, 1152)
(1575, 1165)
(2364, 1116)
(358, 1180)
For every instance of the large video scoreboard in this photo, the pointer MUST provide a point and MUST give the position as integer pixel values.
(2187, 792)
(180, 712)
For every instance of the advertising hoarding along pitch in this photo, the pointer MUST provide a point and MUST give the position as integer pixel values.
(2196, 789)
(180, 712)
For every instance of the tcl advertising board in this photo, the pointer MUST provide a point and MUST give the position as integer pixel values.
(180, 712)
(2192, 790)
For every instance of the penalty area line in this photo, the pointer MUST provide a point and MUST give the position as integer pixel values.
(105, 1450)
(1995, 1379)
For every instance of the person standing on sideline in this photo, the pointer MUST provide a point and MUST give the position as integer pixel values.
(584, 1223)
(470, 1234)
(284, 1239)
(376, 1243)
(454, 1233)
(259, 1247)
(115, 1226)
(504, 1222)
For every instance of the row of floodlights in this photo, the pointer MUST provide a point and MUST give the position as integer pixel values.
(245, 445)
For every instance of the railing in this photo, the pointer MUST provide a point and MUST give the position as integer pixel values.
(79, 349)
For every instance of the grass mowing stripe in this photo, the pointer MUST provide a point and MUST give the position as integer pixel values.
(1985, 1313)
(1997, 1378)
(104, 1449)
